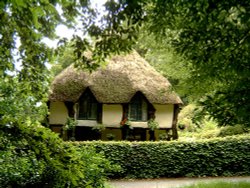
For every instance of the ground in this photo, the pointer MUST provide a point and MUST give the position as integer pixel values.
(169, 182)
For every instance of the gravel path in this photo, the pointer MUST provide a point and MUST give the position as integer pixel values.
(169, 182)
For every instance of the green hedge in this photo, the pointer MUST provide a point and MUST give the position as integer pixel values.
(228, 156)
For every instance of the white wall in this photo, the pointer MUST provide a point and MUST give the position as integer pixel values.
(58, 113)
(87, 123)
(164, 115)
(112, 115)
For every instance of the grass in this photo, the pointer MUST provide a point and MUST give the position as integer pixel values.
(240, 184)
(107, 185)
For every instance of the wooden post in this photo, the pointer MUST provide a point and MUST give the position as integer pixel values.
(151, 135)
(175, 119)
(70, 108)
(71, 113)
(124, 128)
(99, 113)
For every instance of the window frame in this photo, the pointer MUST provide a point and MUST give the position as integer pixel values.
(138, 105)
(89, 110)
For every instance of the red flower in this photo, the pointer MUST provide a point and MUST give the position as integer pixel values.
(123, 122)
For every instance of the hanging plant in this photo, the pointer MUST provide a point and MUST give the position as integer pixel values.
(70, 124)
(69, 129)
(152, 124)
(126, 123)
(110, 136)
(99, 128)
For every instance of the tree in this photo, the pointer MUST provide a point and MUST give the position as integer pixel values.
(212, 35)
(30, 154)
(64, 59)
(215, 36)
(166, 61)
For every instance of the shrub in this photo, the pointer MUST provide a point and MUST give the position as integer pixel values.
(152, 124)
(186, 118)
(36, 157)
(208, 134)
(232, 130)
(214, 157)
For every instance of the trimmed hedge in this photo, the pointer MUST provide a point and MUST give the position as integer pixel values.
(228, 156)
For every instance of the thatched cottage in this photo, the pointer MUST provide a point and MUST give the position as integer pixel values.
(114, 102)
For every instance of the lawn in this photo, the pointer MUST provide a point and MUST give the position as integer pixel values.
(221, 184)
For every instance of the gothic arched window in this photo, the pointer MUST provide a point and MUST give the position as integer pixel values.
(87, 106)
(138, 108)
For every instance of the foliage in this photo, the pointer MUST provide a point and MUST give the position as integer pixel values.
(208, 134)
(190, 118)
(220, 184)
(70, 124)
(163, 136)
(166, 61)
(64, 58)
(95, 166)
(107, 167)
(229, 130)
(191, 126)
(211, 36)
(36, 157)
(99, 128)
(222, 105)
(116, 32)
(30, 155)
(152, 124)
(201, 134)
(214, 35)
(193, 40)
(126, 123)
(19, 167)
(110, 136)
(69, 129)
(214, 157)
(185, 118)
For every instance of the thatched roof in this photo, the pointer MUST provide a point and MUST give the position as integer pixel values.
(118, 82)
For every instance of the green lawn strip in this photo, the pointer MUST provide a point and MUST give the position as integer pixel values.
(220, 184)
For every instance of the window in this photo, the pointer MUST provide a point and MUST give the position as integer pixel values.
(138, 109)
(88, 106)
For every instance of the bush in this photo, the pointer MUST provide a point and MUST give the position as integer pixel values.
(186, 118)
(208, 134)
(232, 130)
(36, 157)
(214, 157)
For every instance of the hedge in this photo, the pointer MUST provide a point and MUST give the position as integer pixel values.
(228, 156)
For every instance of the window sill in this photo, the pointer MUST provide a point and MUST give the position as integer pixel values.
(86, 123)
(139, 124)
(138, 120)
(87, 119)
